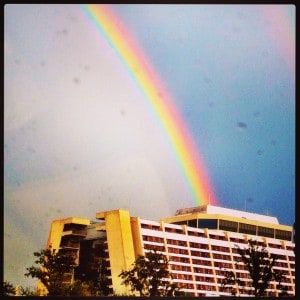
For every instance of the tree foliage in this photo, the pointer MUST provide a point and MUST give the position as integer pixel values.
(27, 291)
(8, 289)
(50, 270)
(149, 276)
(259, 264)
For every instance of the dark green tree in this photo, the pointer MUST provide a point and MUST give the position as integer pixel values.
(149, 276)
(27, 291)
(51, 269)
(8, 289)
(259, 264)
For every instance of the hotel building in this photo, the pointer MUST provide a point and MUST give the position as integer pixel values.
(200, 244)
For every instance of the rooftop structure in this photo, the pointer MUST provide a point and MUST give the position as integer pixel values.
(210, 209)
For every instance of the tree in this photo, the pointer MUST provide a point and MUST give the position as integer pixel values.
(149, 276)
(51, 269)
(259, 264)
(27, 291)
(8, 289)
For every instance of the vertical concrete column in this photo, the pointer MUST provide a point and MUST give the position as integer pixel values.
(120, 245)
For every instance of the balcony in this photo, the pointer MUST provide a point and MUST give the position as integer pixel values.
(74, 229)
(101, 227)
(70, 245)
(75, 232)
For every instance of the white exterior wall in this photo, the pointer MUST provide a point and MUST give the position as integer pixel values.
(198, 274)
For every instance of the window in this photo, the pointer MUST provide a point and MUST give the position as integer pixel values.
(265, 231)
(208, 223)
(228, 225)
(192, 223)
(290, 248)
(204, 247)
(247, 228)
(194, 245)
(283, 235)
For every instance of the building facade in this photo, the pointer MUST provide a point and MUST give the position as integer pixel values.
(200, 244)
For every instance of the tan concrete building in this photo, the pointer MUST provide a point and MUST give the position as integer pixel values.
(200, 243)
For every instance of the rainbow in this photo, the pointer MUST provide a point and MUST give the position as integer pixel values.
(151, 86)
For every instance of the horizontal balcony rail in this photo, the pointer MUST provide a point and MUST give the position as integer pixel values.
(74, 232)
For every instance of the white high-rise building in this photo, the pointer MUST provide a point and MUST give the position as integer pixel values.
(200, 244)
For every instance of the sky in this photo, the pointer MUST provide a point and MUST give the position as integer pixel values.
(80, 136)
